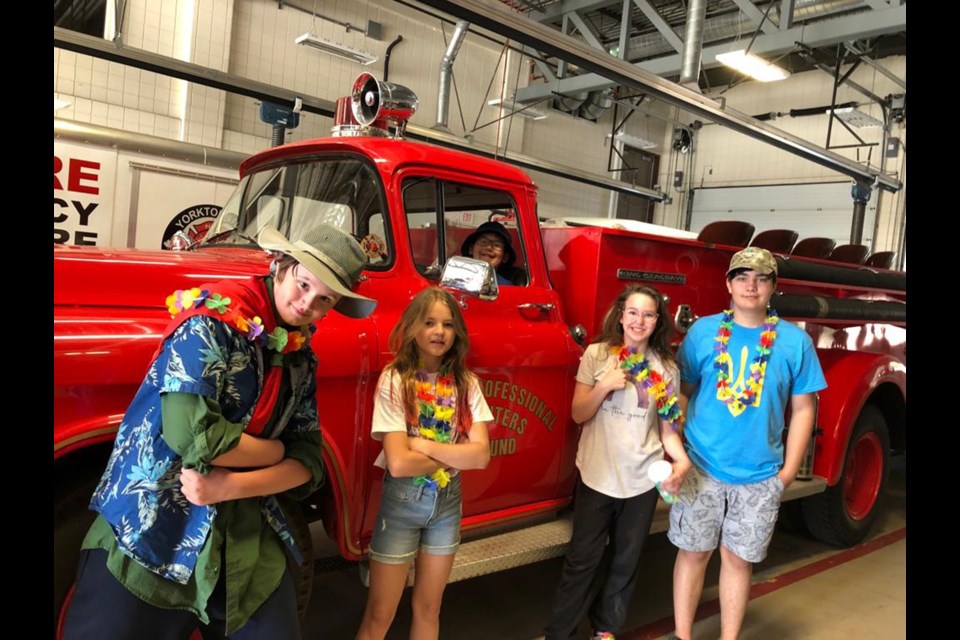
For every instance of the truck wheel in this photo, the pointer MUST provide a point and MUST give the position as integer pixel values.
(843, 514)
(71, 519)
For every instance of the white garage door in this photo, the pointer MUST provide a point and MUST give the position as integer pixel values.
(812, 210)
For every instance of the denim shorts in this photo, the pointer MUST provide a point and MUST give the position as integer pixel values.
(742, 515)
(412, 518)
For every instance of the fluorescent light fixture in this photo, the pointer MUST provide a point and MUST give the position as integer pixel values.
(335, 49)
(634, 141)
(857, 118)
(753, 66)
(518, 109)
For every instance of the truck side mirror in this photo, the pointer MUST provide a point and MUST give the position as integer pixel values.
(475, 278)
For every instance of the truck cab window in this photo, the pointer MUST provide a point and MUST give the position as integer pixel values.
(420, 205)
(444, 218)
(482, 223)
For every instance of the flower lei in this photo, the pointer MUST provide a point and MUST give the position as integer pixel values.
(435, 404)
(737, 402)
(639, 370)
(280, 340)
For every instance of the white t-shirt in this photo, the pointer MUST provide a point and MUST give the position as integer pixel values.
(388, 414)
(620, 442)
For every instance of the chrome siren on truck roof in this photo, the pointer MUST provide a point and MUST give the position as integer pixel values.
(374, 108)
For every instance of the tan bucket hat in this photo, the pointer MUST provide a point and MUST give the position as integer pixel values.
(760, 260)
(333, 256)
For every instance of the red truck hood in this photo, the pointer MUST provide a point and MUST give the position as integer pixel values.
(92, 276)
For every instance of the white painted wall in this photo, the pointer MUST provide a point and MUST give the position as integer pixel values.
(255, 39)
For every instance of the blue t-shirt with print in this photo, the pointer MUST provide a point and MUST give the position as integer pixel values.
(744, 445)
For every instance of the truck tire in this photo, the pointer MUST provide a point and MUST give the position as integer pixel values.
(843, 514)
(71, 519)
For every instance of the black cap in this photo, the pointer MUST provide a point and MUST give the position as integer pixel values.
(496, 228)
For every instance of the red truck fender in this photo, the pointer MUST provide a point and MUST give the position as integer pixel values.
(855, 378)
(863, 406)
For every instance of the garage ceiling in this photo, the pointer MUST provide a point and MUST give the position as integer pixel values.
(798, 35)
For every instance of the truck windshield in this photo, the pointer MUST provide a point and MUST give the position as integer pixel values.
(340, 191)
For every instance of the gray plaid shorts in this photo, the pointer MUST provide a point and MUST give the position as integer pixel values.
(745, 515)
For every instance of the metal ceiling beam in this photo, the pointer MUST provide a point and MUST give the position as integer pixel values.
(662, 26)
(541, 65)
(786, 14)
(822, 33)
(584, 30)
(750, 10)
(520, 28)
(623, 45)
(880, 69)
(556, 11)
(198, 74)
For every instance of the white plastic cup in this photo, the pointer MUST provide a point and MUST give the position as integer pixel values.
(658, 472)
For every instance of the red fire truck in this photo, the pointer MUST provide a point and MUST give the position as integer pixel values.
(413, 204)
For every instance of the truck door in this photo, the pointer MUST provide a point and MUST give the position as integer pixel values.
(520, 347)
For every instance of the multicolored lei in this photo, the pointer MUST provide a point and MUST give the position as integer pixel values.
(737, 402)
(435, 404)
(639, 370)
(279, 340)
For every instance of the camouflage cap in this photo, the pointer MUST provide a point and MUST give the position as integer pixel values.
(760, 260)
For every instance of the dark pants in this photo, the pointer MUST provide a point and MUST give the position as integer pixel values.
(582, 586)
(103, 609)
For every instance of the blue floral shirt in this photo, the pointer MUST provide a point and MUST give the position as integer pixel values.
(139, 493)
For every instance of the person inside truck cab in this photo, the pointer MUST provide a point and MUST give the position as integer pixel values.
(738, 370)
(212, 455)
(491, 243)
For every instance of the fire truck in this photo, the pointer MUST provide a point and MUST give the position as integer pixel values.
(413, 204)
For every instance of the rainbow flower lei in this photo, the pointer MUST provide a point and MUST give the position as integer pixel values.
(435, 405)
(640, 371)
(279, 340)
(737, 402)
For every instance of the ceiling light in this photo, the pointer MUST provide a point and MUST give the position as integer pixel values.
(634, 141)
(518, 109)
(753, 66)
(857, 118)
(335, 48)
(60, 104)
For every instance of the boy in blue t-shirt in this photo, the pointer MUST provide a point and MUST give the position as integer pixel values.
(738, 370)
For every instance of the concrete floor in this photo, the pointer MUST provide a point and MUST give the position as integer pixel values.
(804, 589)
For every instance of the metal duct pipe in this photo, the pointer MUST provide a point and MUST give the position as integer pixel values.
(861, 195)
(386, 57)
(737, 24)
(798, 306)
(446, 72)
(277, 134)
(597, 104)
(856, 223)
(693, 43)
(140, 143)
